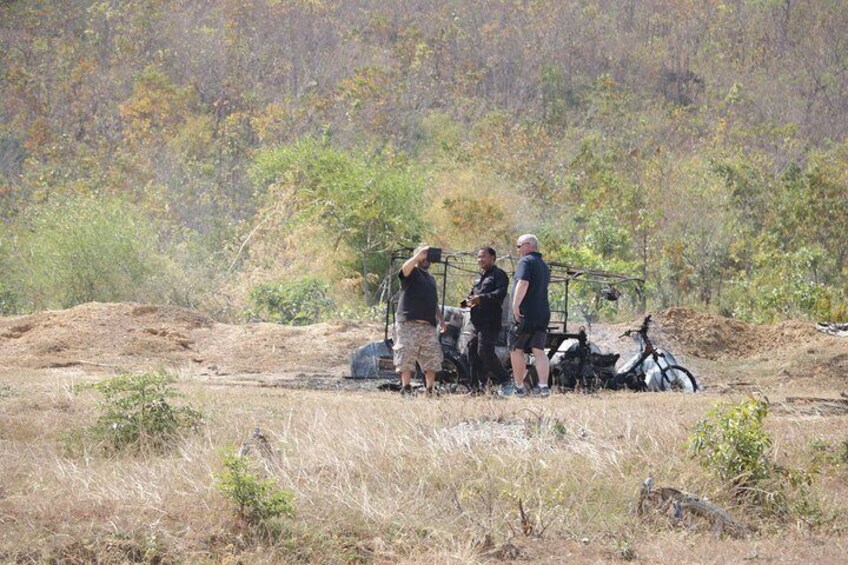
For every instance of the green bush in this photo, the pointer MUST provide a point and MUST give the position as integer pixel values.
(81, 249)
(296, 303)
(258, 501)
(136, 415)
(8, 300)
(370, 203)
(731, 442)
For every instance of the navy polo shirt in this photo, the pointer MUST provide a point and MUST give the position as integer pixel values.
(535, 307)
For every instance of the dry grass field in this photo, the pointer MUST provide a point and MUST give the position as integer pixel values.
(381, 479)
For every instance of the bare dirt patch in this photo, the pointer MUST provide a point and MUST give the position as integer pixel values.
(131, 337)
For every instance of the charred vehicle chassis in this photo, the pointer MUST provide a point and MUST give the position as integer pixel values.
(576, 363)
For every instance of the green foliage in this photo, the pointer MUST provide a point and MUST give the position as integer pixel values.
(370, 204)
(588, 129)
(586, 300)
(296, 303)
(731, 442)
(136, 415)
(81, 249)
(788, 239)
(258, 502)
(558, 97)
(8, 300)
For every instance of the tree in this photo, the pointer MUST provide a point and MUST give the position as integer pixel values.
(371, 204)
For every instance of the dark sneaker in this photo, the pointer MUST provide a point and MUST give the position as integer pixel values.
(507, 389)
(406, 391)
(433, 393)
(541, 391)
(510, 389)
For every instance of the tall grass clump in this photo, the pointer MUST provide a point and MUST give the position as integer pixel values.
(79, 249)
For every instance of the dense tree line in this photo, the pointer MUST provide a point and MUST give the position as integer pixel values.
(702, 144)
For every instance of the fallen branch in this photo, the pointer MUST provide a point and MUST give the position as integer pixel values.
(681, 507)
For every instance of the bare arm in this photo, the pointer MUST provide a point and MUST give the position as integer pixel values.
(413, 261)
(517, 297)
(443, 327)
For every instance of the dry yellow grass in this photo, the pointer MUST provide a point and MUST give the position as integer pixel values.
(377, 478)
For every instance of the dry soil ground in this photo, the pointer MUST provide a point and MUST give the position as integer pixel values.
(804, 374)
(106, 338)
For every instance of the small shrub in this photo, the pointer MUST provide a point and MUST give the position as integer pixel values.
(135, 414)
(297, 303)
(731, 442)
(259, 503)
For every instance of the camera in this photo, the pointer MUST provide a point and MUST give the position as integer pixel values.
(434, 255)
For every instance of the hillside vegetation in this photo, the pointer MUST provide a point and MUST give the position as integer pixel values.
(220, 154)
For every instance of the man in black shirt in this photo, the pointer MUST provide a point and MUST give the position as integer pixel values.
(486, 301)
(531, 314)
(417, 312)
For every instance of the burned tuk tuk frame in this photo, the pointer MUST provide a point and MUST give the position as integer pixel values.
(455, 268)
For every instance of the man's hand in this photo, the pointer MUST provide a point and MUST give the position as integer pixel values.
(443, 327)
(474, 301)
(421, 256)
(516, 314)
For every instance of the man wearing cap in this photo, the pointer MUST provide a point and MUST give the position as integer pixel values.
(417, 313)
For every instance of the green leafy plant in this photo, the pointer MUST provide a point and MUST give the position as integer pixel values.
(731, 442)
(258, 502)
(8, 300)
(136, 415)
(369, 203)
(297, 303)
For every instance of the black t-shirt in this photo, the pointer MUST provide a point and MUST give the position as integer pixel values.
(535, 307)
(418, 299)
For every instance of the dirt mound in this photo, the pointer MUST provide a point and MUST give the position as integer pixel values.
(132, 337)
(710, 336)
(127, 336)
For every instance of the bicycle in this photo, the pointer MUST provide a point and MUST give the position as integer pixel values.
(653, 369)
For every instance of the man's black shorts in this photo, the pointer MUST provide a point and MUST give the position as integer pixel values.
(525, 341)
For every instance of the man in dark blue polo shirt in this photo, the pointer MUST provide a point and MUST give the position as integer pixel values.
(531, 315)
(418, 309)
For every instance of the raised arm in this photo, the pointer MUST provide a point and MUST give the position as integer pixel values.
(413, 261)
